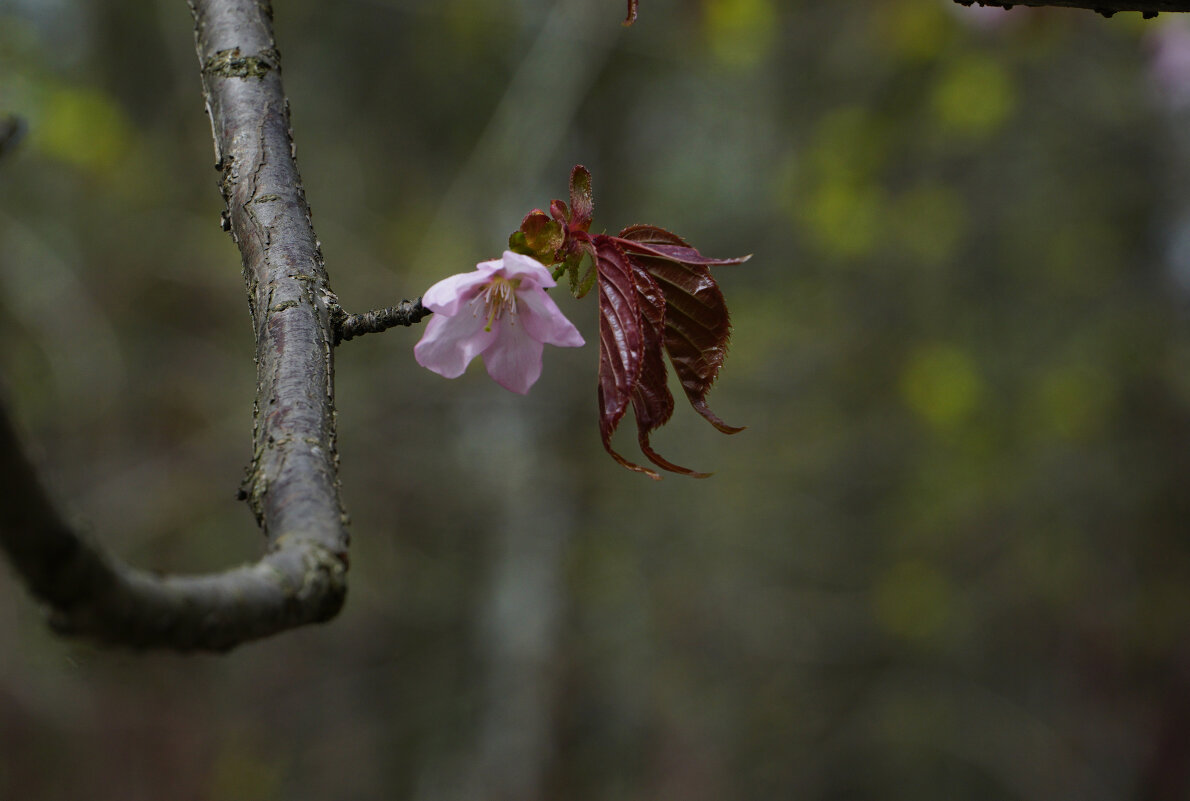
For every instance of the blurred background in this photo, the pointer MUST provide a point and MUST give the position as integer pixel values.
(947, 560)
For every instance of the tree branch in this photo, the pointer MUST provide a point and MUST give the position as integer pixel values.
(292, 483)
(1150, 8)
(406, 313)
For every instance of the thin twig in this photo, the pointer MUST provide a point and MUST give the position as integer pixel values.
(405, 313)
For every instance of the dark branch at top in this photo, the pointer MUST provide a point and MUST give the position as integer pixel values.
(1150, 8)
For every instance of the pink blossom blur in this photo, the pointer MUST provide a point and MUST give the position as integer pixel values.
(1169, 63)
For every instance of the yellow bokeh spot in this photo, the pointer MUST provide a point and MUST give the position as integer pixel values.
(469, 21)
(241, 772)
(912, 600)
(849, 145)
(1074, 402)
(841, 202)
(942, 384)
(974, 96)
(931, 221)
(82, 127)
(1082, 259)
(741, 33)
(913, 30)
(845, 217)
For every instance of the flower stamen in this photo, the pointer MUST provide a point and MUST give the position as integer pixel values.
(499, 298)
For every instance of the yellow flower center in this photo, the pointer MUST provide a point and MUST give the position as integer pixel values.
(499, 298)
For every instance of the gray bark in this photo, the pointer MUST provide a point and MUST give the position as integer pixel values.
(292, 483)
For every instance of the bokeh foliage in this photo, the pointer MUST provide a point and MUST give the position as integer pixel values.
(947, 560)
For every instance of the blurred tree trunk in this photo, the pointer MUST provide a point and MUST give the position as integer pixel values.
(517, 636)
(519, 617)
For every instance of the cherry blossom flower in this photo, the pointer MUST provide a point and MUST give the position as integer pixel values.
(501, 312)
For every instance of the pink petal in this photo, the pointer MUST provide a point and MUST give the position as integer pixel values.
(544, 321)
(449, 294)
(513, 360)
(512, 350)
(450, 343)
(528, 269)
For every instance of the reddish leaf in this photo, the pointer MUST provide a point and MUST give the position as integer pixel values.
(582, 201)
(631, 12)
(652, 403)
(697, 325)
(646, 234)
(685, 255)
(621, 342)
(653, 241)
(656, 294)
(543, 236)
(697, 328)
(633, 331)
